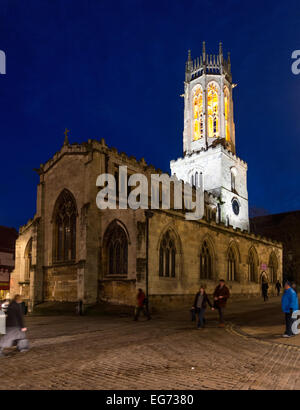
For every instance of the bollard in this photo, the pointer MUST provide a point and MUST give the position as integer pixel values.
(2, 323)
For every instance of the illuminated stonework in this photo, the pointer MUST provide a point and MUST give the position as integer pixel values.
(209, 159)
(226, 111)
(213, 110)
(198, 113)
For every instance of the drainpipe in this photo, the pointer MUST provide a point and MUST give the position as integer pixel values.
(148, 215)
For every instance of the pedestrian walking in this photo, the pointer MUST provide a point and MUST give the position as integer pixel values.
(264, 290)
(289, 304)
(221, 294)
(200, 303)
(278, 287)
(15, 328)
(79, 308)
(141, 305)
(294, 286)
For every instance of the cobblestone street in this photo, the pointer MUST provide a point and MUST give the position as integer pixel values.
(168, 352)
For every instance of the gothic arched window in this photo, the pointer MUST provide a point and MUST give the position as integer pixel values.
(205, 262)
(116, 244)
(167, 256)
(273, 268)
(226, 111)
(28, 260)
(64, 217)
(252, 266)
(231, 265)
(213, 110)
(198, 113)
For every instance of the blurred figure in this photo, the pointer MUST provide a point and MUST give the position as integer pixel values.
(79, 308)
(264, 289)
(278, 287)
(141, 305)
(15, 328)
(200, 303)
(294, 286)
(221, 294)
(289, 304)
(24, 308)
(4, 306)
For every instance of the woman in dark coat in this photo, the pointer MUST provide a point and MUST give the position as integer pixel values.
(200, 303)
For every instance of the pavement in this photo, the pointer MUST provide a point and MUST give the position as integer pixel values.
(111, 351)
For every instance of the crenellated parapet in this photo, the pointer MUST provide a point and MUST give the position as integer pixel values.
(207, 64)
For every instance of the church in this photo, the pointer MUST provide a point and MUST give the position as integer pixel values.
(71, 250)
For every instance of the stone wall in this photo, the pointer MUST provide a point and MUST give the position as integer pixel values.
(60, 283)
(190, 236)
(118, 291)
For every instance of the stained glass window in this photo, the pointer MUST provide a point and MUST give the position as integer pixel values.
(205, 262)
(252, 267)
(213, 110)
(65, 213)
(273, 268)
(198, 113)
(167, 256)
(231, 265)
(117, 250)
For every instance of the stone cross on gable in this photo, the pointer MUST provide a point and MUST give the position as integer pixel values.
(66, 137)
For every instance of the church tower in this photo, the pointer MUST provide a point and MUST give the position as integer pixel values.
(209, 150)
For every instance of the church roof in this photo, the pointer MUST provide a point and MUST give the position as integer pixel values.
(8, 238)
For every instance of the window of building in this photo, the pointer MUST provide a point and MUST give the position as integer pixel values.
(213, 111)
(273, 268)
(116, 250)
(65, 215)
(231, 265)
(198, 113)
(167, 256)
(28, 260)
(252, 266)
(233, 172)
(205, 262)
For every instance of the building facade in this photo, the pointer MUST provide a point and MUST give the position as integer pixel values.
(73, 250)
(284, 227)
(8, 238)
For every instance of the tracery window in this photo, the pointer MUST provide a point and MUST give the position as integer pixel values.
(252, 266)
(167, 256)
(213, 110)
(273, 268)
(117, 250)
(28, 260)
(231, 265)
(205, 262)
(65, 214)
(198, 113)
(226, 109)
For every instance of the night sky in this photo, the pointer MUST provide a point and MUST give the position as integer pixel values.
(115, 69)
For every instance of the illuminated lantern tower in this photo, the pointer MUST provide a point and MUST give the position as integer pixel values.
(209, 138)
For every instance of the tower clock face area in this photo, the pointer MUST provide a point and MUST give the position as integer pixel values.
(235, 207)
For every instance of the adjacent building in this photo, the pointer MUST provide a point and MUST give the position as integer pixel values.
(8, 238)
(283, 227)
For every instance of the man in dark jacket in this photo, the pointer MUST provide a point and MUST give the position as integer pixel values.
(200, 303)
(264, 290)
(15, 328)
(221, 294)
